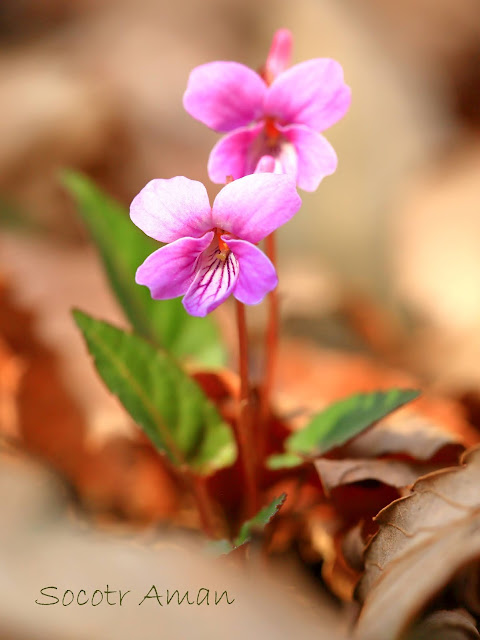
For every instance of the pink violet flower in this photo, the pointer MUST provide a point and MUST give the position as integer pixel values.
(212, 251)
(278, 112)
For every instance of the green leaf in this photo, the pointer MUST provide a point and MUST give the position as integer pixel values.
(166, 403)
(259, 521)
(249, 527)
(284, 461)
(123, 248)
(219, 547)
(345, 419)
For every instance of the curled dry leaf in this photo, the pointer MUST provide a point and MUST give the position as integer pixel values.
(374, 468)
(423, 540)
(446, 625)
(358, 488)
(395, 473)
(466, 587)
(415, 434)
(353, 547)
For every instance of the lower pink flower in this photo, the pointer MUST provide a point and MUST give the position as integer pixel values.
(212, 252)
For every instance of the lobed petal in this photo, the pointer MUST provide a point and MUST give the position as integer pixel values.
(254, 206)
(232, 155)
(315, 156)
(214, 281)
(169, 271)
(224, 95)
(171, 209)
(312, 93)
(257, 275)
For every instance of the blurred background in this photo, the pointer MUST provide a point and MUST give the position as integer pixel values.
(98, 86)
(384, 259)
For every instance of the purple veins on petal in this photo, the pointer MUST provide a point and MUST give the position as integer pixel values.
(169, 271)
(215, 279)
(257, 275)
(222, 259)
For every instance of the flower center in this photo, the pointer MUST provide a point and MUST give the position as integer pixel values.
(272, 134)
(222, 245)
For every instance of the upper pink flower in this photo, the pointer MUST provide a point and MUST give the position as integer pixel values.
(279, 112)
(212, 251)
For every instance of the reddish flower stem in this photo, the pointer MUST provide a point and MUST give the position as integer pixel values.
(204, 503)
(271, 349)
(244, 424)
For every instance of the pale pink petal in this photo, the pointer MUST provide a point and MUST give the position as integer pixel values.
(257, 275)
(169, 271)
(266, 164)
(315, 156)
(254, 206)
(233, 155)
(224, 95)
(215, 279)
(286, 160)
(282, 159)
(279, 55)
(311, 93)
(171, 209)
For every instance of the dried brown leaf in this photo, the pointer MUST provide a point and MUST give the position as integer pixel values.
(423, 540)
(413, 434)
(395, 473)
(353, 547)
(466, 587)
(446, 625)
(430, 433)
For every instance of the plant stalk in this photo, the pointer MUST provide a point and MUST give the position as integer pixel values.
(204, 505)
(271, 352)
(244, 424)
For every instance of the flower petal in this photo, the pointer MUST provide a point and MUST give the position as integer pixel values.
(224, 95)
(311, 93)
(171, 209)
(233, 155)
(257, 275)
(266, 164)
(315, 156)
(254, 206)
(169, 271)
(286, 160)
(214, 281)
(279, 55)
(282, 159)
